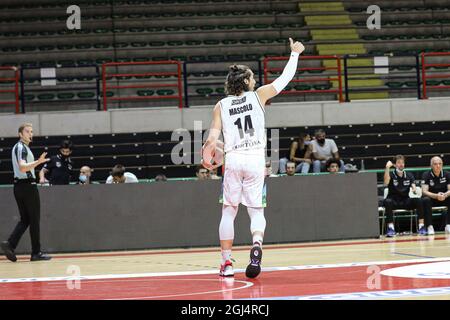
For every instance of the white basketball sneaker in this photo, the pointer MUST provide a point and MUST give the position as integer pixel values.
(447, 228)
(430, 230)
(226, 269)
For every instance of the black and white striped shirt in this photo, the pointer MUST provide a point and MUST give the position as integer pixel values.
(21, 151)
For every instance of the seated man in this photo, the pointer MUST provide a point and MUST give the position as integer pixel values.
(213, 174)
(300, 153)
(399, 183)
(436, 190)
(118, 175)
(269, 172)
(202, 173)
(85, 176)
(332, 165)
(160, 177)
(324, 149)
(290, 168)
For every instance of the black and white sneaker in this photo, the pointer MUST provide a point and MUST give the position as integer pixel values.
(254, 268)
(41, 256)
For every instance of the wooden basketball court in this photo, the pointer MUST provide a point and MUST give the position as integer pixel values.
(407, 267)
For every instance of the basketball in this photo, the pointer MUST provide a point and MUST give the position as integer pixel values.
(212, 158)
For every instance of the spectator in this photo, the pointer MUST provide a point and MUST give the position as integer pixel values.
(290, 168)
(160, 177)
(324, 149)
(332, 165)
(436, 190)
(399, 183)
(59, 169)
(85, 176)
(119, 175)
(201, 173)
(300, 153)
(269, 172)
(213, 174)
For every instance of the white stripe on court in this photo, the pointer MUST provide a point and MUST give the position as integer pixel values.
(371, 295)
(213, 272)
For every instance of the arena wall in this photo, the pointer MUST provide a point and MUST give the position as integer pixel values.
(187, 214)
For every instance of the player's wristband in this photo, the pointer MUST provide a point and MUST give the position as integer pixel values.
(288, 73)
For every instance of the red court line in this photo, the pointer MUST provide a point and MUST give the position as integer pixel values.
(298, 246)
(211, 287)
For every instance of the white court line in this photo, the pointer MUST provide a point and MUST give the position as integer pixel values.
(371, 295)
(247, 284)
(207, 272)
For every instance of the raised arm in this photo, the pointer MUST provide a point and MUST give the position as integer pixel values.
(387, 177)
(271, 90)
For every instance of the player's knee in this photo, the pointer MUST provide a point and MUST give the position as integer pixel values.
(229, 211)
(226, 227)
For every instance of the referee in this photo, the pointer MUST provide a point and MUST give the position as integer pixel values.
(27, 196)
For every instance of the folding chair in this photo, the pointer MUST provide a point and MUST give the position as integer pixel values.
(398, 213)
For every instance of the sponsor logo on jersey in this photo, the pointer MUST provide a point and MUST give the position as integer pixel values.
(247, 144)
(238, 101)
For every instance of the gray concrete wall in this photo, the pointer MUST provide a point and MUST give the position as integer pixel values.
(278, 115)
(187, 214)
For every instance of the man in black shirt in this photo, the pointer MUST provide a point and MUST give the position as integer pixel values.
(59, 169)
(436, 189)
(399, 183)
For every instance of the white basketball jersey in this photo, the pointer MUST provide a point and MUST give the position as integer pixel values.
(243, 123)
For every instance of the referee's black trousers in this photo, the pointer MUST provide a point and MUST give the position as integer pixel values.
(28, 201)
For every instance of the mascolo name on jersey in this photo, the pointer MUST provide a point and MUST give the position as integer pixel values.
(239, 110)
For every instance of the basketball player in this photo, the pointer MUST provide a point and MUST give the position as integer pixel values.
(240, 116)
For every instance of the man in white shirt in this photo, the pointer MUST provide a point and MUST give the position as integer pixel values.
(119, 175)
(324, 149)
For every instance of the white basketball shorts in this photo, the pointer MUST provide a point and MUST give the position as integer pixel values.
(243, 180)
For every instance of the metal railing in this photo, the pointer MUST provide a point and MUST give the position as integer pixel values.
(63, 74)
(326, 78)
(408, 75)
(15, 79)
(106, 77)
(437, 75)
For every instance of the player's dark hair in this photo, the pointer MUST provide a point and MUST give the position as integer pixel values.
(330, 162)
(399, 157)
(319, 131)
(66, 144)
(160, 177)
(235, 84)
(302, 136)
(118, 171)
